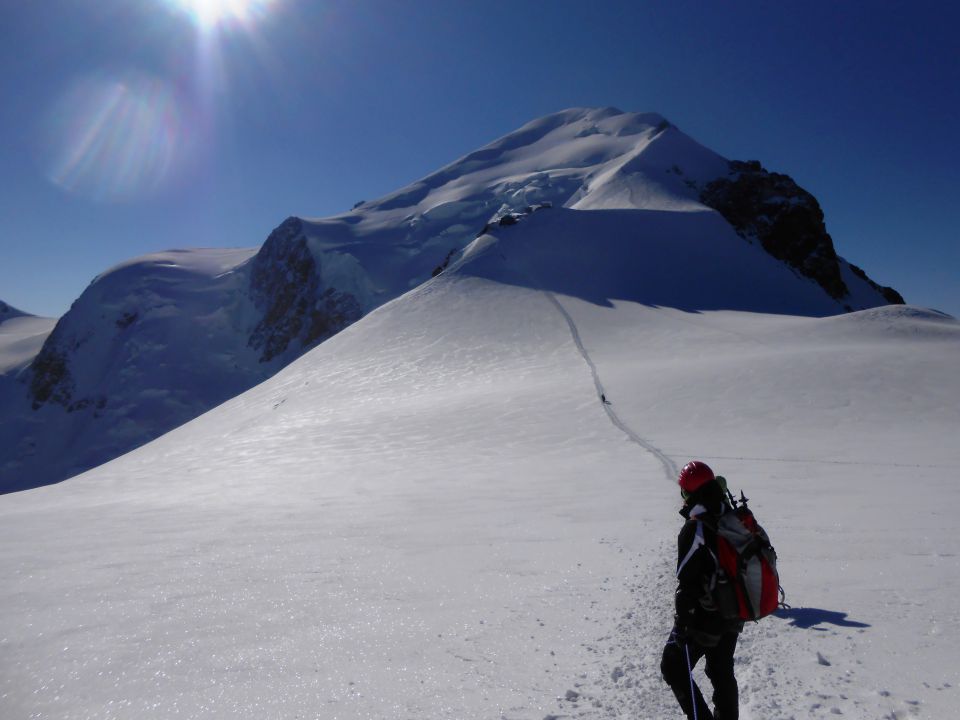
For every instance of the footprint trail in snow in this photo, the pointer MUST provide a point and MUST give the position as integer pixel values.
(669, 466)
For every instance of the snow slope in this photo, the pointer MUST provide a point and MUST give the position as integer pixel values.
(160, 339)
(433, 515)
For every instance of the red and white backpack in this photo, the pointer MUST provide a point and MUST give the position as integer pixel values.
(748, 586)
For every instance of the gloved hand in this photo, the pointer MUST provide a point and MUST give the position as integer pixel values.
(684, 607)
(681, 630)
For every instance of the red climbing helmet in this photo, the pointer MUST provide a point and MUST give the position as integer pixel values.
(695, 475)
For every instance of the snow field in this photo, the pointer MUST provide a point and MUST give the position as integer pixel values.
(839, 429)
(432, 515)
(419, 521)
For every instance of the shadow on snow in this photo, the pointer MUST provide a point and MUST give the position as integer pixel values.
(810, 618)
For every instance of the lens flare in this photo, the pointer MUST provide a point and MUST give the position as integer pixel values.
(114, 139)
(209, 14)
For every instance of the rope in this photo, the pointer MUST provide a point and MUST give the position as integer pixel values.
(693, 695)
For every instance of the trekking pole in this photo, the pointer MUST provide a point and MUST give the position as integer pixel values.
(693, 696)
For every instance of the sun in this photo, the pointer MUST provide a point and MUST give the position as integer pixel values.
(209, 14)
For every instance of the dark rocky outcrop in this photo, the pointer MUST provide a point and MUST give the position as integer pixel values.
(127, 319)
(445, 264)
(782, 216)
(285, 286)
(50, 379)
(787, 221)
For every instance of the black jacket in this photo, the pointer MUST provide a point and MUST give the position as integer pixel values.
(697, 613)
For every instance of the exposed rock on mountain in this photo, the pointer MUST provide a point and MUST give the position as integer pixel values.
(285, 285)
(786, 220)
(50, 379)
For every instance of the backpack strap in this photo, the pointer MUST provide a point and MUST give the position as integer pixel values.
(698, 542)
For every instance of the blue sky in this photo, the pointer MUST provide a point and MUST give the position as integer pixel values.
(305, 107)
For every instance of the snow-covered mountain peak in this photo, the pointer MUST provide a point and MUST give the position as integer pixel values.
(584, 159)
(565, 158)
(610, 205)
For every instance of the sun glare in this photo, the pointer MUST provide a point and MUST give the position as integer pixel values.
(115, 138)
(209, 14)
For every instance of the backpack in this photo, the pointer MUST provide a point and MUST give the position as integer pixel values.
(747, 584)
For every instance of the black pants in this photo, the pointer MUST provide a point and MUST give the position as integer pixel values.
(719, 670)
